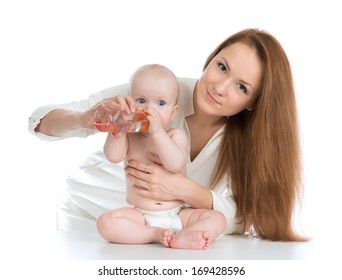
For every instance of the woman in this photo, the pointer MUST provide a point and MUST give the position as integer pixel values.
(244, 156)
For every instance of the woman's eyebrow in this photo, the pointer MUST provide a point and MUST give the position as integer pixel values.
(244, 82)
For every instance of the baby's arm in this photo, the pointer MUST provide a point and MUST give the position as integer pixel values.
(116, 146)
(171, 147)
(115, 149)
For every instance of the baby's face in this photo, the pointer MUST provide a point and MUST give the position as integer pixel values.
(158, 92)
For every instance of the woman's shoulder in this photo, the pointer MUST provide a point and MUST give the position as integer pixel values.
(187, 83)
(186, 90)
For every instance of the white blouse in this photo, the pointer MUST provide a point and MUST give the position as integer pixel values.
(98, 185)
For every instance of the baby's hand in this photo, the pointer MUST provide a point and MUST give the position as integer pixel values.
(155, 120)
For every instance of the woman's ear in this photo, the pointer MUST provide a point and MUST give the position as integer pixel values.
(253, 103)
(251, 107)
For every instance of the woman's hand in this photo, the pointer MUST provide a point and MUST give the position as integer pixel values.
(117, 103)
(154, 181)
(59, 121)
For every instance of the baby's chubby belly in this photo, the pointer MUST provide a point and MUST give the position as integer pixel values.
(150, 204)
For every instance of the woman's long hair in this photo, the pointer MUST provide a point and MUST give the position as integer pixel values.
(260, 150)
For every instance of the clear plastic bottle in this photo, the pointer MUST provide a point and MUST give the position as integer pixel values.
(120, 122)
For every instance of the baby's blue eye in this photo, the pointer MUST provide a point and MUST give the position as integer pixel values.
(161, 103)
(141, 101)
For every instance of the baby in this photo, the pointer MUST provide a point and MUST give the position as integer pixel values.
(154, 88)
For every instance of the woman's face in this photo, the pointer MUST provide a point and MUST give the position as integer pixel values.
(231, 81)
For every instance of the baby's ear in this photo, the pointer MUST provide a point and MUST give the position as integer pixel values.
(175, 111)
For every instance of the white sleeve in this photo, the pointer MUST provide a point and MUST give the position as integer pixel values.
(224, 202)
(79, 106)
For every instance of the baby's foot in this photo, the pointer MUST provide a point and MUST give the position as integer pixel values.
(196, 240)
(166, 237)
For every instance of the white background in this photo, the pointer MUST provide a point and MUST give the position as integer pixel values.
(61, 51)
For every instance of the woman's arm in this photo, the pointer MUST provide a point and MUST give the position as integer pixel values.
(161, 184)
(196, 195)
(58, 122)
(53, 122)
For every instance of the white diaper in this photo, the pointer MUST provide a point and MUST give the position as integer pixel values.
(164, 219)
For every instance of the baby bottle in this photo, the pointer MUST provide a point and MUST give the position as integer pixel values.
(120, 122)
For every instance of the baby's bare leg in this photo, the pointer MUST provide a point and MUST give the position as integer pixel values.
(201, 227)
(127, 225)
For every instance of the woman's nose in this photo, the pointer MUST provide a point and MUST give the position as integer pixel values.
(222, 87)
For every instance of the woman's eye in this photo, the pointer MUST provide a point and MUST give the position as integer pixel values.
(222, 67)
(161, 103)
(140, 101)
(242, 88)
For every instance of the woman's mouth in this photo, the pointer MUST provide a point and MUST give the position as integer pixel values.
(211, 98)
